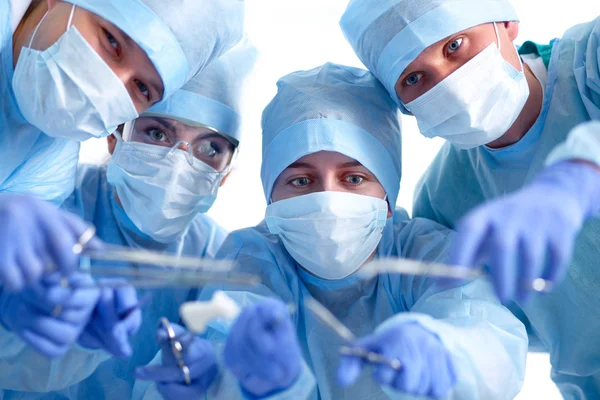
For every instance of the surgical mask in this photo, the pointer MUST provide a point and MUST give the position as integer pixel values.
(162, 189)
(330, 234)
(68, 91)
(476, 104)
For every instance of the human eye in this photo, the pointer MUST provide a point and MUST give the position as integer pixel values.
(112, 41)
(354, 180)
(143, 89)
(156, 135)
(454, 45)
(209, 149)
(300, 182)
(413, 79)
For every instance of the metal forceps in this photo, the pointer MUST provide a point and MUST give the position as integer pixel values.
(325, 316)
(159, 270)
(176, 349)
(406, 266)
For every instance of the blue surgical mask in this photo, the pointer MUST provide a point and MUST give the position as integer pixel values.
(330, 234)
(161, 189)
(68, 91)
(476, 104)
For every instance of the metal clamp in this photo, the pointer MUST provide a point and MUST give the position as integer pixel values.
(371, 357)
(176, 349)
(84, 239)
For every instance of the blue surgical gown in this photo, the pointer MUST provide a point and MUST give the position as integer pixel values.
(31, 162)
(567, 321)
(488, 344)
(85, 374)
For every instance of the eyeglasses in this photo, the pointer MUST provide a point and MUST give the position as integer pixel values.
(202, 143)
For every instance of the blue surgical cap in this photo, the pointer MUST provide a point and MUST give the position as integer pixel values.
(212, 98)
(180, 37)
(332, 108)
(387, 35)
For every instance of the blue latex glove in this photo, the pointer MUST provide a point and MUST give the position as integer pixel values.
(531, 233)
(47, 315)
(262, 349)
(35, 235)
(427, 368)
(116, 318)
(199, 357)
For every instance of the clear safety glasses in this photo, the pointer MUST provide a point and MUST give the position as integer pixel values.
(200, 142)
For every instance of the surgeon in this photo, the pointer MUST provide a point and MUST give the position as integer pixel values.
(517, 127)
(331, 175)
(164, 174)
(75, 69)
(79, 69)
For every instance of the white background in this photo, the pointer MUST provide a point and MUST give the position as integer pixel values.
(302, 34)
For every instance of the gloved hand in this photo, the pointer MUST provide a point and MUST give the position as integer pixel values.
(35, 235)
(116, 318)
(427, 368)
(199, 357)
(531, 233)
(262, 349)
(47, 315)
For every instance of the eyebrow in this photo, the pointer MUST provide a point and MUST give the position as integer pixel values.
(301, 165)
(166, 122)
(350, 164)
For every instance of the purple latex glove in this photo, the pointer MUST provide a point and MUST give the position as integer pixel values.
(427, 368)
(47, 315)
(531, 233)
(35, 235)
(198, 356)
(116, 318)
(262, 349)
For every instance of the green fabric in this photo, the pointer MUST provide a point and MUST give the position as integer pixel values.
(542, 50)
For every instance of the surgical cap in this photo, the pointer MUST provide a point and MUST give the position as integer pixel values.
(388, 35)
(212, 98)
(332, 108)
(180, 37)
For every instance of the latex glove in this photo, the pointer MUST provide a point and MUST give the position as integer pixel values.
(116, 318)
(47, 315)
(531, 233)
(33, 236)
(427, 368)
(199, 357)
(262, 349)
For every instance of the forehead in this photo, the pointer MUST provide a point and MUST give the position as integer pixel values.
(325, 160)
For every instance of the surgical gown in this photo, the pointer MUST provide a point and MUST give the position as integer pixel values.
(567, 321)
(86, 374)
(487, 342)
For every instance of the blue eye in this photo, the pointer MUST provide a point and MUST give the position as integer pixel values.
(143, 89)
(112, 41)
(413, 79)
(300, 182)
(354, 179)
(454, 45)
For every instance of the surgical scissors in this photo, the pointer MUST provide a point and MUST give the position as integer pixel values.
(325, 316)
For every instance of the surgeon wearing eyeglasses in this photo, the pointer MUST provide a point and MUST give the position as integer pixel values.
(163, 176)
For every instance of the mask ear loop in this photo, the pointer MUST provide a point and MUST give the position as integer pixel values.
(42, 21)
(500, 47)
